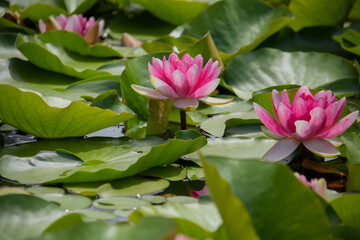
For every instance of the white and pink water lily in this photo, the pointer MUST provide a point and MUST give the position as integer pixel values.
(318, 185)
(90, 29)
(309, 120)
(186, 81)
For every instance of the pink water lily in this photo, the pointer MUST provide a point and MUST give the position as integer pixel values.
(88, 28)
(184, 80)
(310, 120)
(318, 185)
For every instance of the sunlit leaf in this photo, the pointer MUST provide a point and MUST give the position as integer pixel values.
(271, 202)
(96, 159)
(28, 111)
(238, 26)
(268, 67)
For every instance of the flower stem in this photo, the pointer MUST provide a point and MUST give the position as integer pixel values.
(183, 119)
(303, 152)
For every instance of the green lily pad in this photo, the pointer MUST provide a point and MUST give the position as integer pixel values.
(52, 57)
(268, 67)
(7, 46)
(27, 111)
(119, 203)
(237, 220)
(67, 201)
(43, 11)
(77, 43)
(348, 209)
(25, 216)
(132, 186)
(101, 158)
(182, 199)
(142, 26)
(349, 40)
(309, 13)
(170, 173)
(194, 219)
(271, 204)
(12, 190)
(154, 199)
(236, 148)
(78, 6)
(146, 229)
(45, 190)
(238, 26)
(174, 11)
(217, 125)
(96, 214)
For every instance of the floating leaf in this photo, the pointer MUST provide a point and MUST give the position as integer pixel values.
(77, 43)
(96, 214)
(236, 148)
(348, 209)
(43, 11)
(119, 203)
(194, 219)
(271, 203)
(67, 201)
(238, 26)
(78, 6)
(25, 216)
(131, 187)
(237, 220)
(28, 111)
(176, 12)
(309, 13)
(268, 67)
(142, 26)
(55, 58)
(101, 158)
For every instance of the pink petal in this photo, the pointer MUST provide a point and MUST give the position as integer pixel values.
(101, 26)
(157, 64)
(281, 149)
(187, 104)
(271, 134)
(148, 92)
(163, 87)
(286, 118)
(192, 76)
(304, 93)
(182, 67)
(154, 72)
(206, 89)
(187, 59)
(214, 72)
(275, 96)
(300, 109)
(206, 70)
(285, 98)
(268, 120)
(61, 20)
(318, 120)
(321, 147)
(168, 70)
(173, 59)
(72, 24)
(179, 82)
(42, 26)
(89, 24)
(303, 129)
(333, 112)
(341, 126)
(215, 101)
(198, 60)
